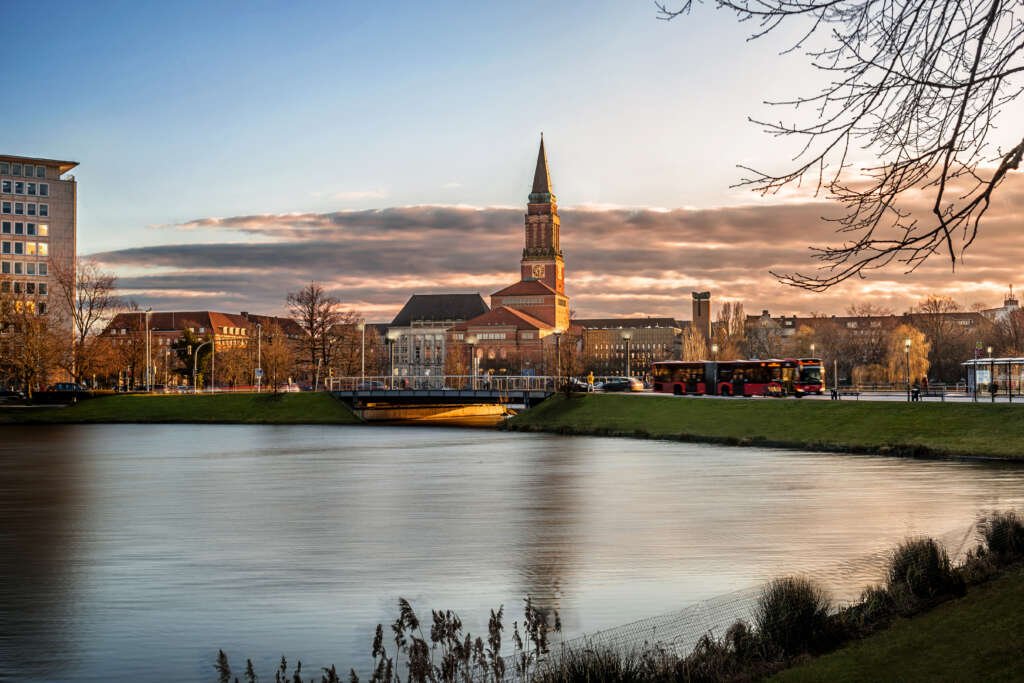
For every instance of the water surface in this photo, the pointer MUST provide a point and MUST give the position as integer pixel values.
(135, 551)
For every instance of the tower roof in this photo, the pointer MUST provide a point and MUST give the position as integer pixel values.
(541, 192)
(541, 178)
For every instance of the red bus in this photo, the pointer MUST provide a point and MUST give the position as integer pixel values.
(771, 377)
(810, 376)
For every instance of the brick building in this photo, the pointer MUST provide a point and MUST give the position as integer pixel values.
(419, 333)
(650, 339)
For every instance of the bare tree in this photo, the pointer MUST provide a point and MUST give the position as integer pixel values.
(950, 342)
(29, 342)
(317, 313)
(278, 356)
(730, 331)
(917, 86)
(87, 295)
(694, 346)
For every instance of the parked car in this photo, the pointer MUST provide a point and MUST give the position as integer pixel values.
(66, 386)
(579, 385)
(11, 397)
(622, 384)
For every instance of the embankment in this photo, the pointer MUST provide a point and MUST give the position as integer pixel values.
(294, 408)
(927, 430)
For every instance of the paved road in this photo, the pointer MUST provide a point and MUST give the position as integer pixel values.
(864, 396)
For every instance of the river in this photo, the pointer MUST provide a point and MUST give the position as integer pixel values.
(135, 551)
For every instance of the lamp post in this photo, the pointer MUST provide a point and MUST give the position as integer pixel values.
(906, 349)
(361, 326)
(259, 357)
(149, 359)
(714, 352)
(195, 363)
(812, 349)
(471, 339)
(392, 337)
(991, 374)
(558, 358)
(627, 335)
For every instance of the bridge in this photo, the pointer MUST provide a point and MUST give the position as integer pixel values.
(439, 397)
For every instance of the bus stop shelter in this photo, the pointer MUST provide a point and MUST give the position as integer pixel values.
(1005, 375)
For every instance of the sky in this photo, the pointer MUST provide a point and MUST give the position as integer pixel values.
(231, 152)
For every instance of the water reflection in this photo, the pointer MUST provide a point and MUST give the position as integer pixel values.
(134, 551)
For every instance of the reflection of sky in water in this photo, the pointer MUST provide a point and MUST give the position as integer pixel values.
(137, 551)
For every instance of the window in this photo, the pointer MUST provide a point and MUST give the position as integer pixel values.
(44, 229)
(6, 248)
(31, 187)
(42, 306)
(16, 169)
(30, 248)
(5, 286)
(42, 290)
(19, 209)
(42, 269)
(19, 268)
(6, 207)
(19, 187)
(6, 187)
(7, 228)
(43, 248)
(44, 210)
(5, 267)
(19, 247)
(30, 268)
(5, 167)
(30, 228)
(30, 288)
(17, 288)
(19, 228)
(40, 171)
(44, 189)
(31, 209)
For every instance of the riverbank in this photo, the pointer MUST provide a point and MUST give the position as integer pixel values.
(267, 408)
(970, 638)
(935, 430)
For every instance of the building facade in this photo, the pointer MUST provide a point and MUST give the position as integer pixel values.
(606, 342)
(38, 226)
(419, 333)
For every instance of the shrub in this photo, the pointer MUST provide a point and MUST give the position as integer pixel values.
(1003, 533)
(792, 616)
(591, 664)
(921, 567)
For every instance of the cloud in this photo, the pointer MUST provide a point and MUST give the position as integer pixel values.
(619, 260)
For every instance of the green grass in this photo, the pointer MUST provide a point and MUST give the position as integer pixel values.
(922, 429)
(978, 637)
(294, 408)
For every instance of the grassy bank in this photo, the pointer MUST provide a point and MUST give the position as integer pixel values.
(971, 638)
(917, 429)
(296, 408)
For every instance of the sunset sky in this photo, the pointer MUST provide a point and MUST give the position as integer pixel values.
(229, 156)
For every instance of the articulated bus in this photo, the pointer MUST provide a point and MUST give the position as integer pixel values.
(772, 377)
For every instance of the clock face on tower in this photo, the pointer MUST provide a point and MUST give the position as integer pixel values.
(538, 271)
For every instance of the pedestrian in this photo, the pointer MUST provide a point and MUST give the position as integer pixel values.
(590, 380)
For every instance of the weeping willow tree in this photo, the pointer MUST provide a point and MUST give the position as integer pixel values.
(918, 86)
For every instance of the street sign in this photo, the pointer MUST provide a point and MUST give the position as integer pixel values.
(259, 372)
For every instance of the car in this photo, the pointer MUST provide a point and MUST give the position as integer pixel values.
(622, 384)
(66, 386)
(579, 385)
(11, 397)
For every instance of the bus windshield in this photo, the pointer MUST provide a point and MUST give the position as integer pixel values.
(810, 374)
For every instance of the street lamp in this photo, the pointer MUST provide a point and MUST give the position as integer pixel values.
(471, 339)
(392, 337)
(361, 326)
(627, 335)
(812, 349)
(195, 363)
(991, 374)
(259, 357)
(906, 349)
(714, 352)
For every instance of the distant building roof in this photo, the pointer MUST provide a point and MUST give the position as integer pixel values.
(505, 317)
(440, 307)
(525, 287)
(634, 323)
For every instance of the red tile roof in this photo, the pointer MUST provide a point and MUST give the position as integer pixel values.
(504, 316)
(526, 287)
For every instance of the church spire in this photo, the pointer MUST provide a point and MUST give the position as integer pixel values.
(541, 192)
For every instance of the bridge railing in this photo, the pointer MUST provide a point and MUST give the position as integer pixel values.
(443, 383)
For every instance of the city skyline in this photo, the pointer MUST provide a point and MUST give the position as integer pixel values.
(360, 146)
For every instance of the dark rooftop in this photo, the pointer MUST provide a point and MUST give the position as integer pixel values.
(440, 307)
